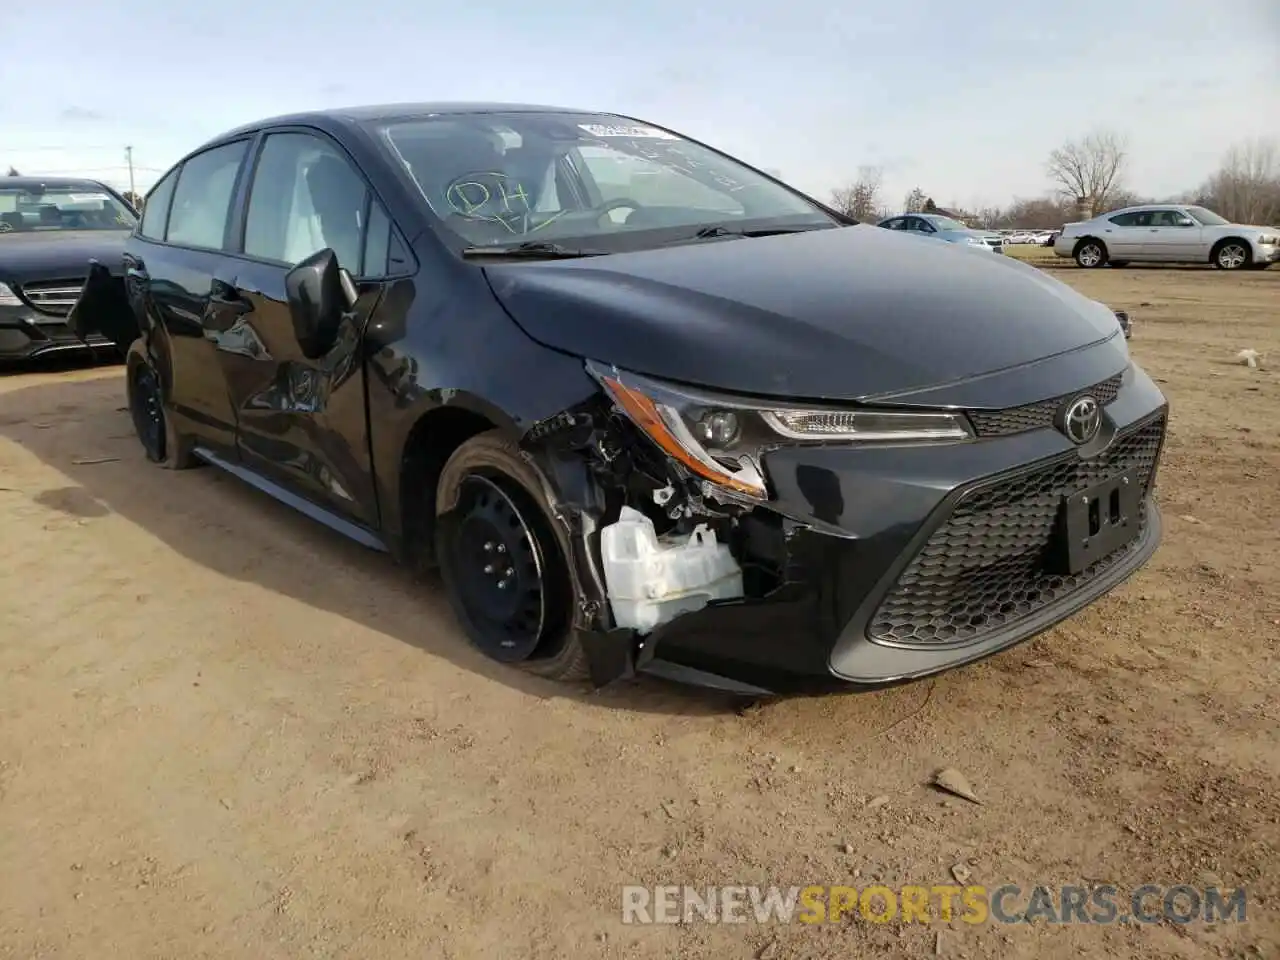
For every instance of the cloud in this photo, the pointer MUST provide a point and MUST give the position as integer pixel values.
(75, 114)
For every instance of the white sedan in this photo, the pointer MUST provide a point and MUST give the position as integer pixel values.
(1168, 233)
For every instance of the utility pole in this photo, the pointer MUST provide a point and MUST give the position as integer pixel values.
(128, 156)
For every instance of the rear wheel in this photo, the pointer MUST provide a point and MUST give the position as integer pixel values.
(160, 442)
(503, 560)
(1232, 255)
(1090, 253)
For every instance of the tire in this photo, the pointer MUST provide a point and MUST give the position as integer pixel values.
(1232, 254)
(161, 443)
(494, 533)
(1119, 263)
(1090, 254)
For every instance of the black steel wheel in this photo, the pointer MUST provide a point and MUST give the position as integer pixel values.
(503, 560)
(146, 404)
(497, 564)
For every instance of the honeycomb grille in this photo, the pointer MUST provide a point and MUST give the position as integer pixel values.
(984, 568)
(1034, 416)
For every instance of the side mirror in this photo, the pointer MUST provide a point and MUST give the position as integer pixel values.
(320, 293)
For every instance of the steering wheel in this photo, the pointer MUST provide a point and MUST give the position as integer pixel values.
(617, 203)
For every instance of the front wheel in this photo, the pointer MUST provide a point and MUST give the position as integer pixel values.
(1090, 254)
(503, 560)
(1232, 255)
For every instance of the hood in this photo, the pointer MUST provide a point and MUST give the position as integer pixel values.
(845, 313)
(58, 254)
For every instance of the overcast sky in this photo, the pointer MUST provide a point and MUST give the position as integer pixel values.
(964, 100)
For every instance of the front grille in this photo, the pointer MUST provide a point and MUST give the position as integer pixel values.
(984, 568)
(1034, 416)
(54, 297)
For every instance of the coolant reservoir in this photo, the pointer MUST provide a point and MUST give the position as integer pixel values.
(652, 579)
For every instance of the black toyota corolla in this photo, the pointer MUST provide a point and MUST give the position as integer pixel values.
(645, 407)
(49, 229)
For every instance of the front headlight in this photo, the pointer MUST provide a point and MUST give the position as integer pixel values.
(976, 242)
(723, 439)
(8, 298)
(1270, 239)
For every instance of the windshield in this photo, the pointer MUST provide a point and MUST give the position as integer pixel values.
(29, 209)
(946, 223)
(1207, 217)
(590, 179)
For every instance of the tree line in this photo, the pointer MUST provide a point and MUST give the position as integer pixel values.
(1090, 174)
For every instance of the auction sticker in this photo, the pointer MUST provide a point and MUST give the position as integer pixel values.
(623, 130)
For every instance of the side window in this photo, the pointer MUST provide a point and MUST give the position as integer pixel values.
(1125, 220)
(202, 198)
(305, 197)
(894, 224)
(155, 209)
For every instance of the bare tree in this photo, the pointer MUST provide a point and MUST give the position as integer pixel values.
(1089, 169)
(915, 201)
(1246, 188)
(861, 198)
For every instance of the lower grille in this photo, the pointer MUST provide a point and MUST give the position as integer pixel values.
(1035, 416)
(54, 297)
(984, 568)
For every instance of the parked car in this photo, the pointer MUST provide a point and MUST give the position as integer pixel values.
(944, 228)
(49, 229)
(561, 356)
(1168, 233)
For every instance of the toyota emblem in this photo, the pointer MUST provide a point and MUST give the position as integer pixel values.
(1081, 419)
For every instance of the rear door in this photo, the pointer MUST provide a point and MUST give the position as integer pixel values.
(1125, 234)
(302, 421)
(174, 272)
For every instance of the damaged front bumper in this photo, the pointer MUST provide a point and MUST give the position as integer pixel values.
(886, 563)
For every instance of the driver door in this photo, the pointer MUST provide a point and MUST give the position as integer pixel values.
(301, 421)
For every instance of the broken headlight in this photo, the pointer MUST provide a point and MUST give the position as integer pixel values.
(721, 439)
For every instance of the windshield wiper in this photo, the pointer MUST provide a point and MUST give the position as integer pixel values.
(710, 233)
(531, 248)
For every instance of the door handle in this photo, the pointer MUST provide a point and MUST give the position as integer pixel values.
(225, 298)
(236, 305)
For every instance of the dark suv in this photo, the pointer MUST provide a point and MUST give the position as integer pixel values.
(49, 229)
(644, 406)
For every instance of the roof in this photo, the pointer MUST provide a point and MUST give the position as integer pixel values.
(396, 111)
(1139, 207)
(54, 183)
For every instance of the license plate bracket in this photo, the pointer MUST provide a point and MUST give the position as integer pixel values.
(1095, 522)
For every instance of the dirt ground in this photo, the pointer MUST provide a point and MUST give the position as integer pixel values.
(227, 732)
